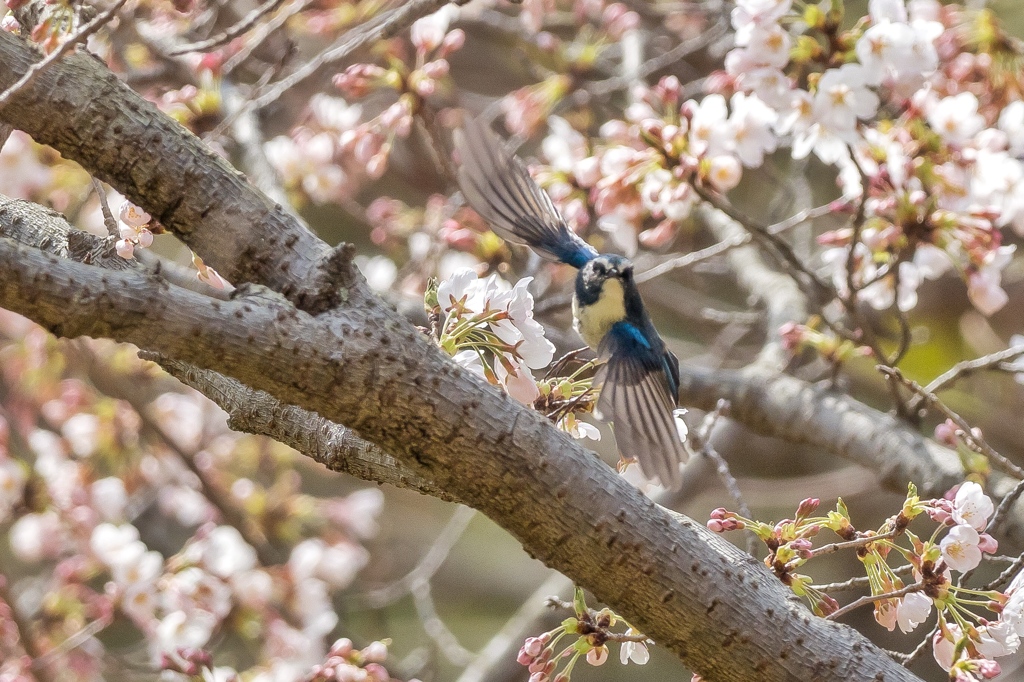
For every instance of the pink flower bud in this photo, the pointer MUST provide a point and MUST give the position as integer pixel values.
(436, 69)
(987, 544)
(376, 652)
(988, 669)
(453, 41)
(342, 647)
(125, 249)
(807, 506)
(946, 432)
(803, 547)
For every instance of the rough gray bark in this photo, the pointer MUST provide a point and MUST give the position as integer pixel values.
(361, 365)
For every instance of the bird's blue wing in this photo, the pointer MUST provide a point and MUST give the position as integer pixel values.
(637, 396)
(498, 187)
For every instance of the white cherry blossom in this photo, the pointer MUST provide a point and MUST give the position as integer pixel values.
(960, 548)
(971, 506)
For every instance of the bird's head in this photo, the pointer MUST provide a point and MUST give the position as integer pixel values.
(597, 272)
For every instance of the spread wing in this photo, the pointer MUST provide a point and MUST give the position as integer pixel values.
(499, 188)
(637, 397)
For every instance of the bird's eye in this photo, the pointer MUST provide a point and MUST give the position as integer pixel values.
(599, 269)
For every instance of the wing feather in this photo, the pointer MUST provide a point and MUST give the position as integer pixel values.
(498, 186)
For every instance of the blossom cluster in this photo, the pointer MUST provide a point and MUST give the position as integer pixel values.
(151, 516)
(488, 327)
(592, 631)
(326, 158)
(965, 641)
(133, 227)
(934, 168)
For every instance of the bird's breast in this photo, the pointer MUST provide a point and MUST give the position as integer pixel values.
(593, 321)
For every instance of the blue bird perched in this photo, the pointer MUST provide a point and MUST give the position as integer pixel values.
(638, 375)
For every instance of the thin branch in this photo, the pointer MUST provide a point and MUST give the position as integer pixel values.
(684, 48)
(108, 218)
(1005, 505)
(247, 527)
(857, 583)
(797, 269)
(446, 641)
(966, 368)
(871, 598)
(853, 544)
(260, 35)
(229, 33)
(81, 34)
(333, 445)
(692, 258)
(428, 565)
(1003, 464)
(908, 658)
(722, 468)
(71, 643)
(382, 27)
(1007, 574)
(512, 633)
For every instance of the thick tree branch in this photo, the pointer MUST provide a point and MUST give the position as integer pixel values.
(336, 447)
(684, 586)
(85, 112)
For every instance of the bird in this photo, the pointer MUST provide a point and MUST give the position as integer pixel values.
(638, 376)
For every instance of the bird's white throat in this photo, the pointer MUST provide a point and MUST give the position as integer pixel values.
(593, 321)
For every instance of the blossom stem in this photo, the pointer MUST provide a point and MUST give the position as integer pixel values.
(851, 544)
(868, 599)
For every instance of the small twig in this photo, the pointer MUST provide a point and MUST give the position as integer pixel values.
(428, 565)
(380, 28)
(908, 658)
(694, 257)
(871, 598)
(435, 628)
(229, 33)
(1007, 573)
(610, 85)
(73, 642)
(108, 218)
(1003, 464)
(246, 527)
(852, 544)
(964, 369)
(510, 636)
(1004, 506)
(857, 583)
(81, 34)
(797, 269)
(260, 35)
(703, 440)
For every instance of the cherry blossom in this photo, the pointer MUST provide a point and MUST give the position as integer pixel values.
(913, 609)
(971, 506)
(960, 548)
